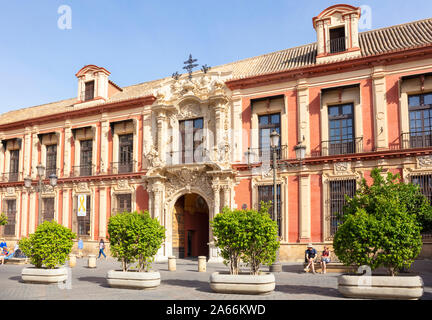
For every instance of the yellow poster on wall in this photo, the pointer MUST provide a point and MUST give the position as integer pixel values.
(82, 205)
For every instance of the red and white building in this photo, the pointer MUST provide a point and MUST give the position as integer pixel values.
(184, 148)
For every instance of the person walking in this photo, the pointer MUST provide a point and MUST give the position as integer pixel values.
(80, 248)
(310, 258)
(101, 248)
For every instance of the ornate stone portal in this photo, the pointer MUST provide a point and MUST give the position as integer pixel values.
(204, 96)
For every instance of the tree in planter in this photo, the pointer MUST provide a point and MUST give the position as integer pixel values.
(49, 246)
(381, 224)
(135, 237)
(3, 221)
(247, 235)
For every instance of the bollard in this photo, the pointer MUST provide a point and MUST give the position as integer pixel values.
(92, 261)
(202, 263)
(72, 260)
(171, 263)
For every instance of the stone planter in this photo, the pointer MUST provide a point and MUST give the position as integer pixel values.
(381, 287)
(133, 279)
(36, 275)
(242, 283)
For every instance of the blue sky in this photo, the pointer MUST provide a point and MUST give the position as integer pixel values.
(139, 41)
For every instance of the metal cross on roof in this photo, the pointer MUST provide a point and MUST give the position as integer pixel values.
(190, 64)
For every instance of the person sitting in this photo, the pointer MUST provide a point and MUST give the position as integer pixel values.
(310, 257)
(3, 243)
(325, 258)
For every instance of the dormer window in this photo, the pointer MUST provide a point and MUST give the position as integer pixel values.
(337, 40)
(89, 91)
(337, 33)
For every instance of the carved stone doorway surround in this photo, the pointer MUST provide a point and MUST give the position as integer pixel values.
(165, 186)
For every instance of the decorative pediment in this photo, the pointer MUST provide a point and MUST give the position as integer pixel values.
(202, 88)
(339, 9)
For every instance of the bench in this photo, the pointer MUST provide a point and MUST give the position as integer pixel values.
(335, 266)
(17, 261)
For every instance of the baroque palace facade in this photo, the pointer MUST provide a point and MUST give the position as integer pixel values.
(184, 147)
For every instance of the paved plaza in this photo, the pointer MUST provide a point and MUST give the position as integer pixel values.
(184, 284)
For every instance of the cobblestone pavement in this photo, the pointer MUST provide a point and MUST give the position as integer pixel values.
(184, 284)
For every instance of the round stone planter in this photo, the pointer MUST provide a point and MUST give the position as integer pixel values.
(133, 279)
(37, 275)
(381, 287)
(242, 283)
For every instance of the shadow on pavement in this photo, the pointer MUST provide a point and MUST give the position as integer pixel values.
(321, 291)
(293, 268)
(202, 286)
(99, 280)
(16, 278)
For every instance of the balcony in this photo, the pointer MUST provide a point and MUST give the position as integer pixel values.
(115, 211)
(265, 154)
(187, 156)
(11, 176)
(337, 45)
(83, 170)
(339, 147)
(122, 167)
(417, 139)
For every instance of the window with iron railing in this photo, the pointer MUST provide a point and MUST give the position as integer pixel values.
(124, 203)
(89, 91)
(341, 130)
(47, 209)
(190, 141)
(14, 165)
(338, 190)
(265, 193)
(337, 40)
(420, 116)
(9, 229)
(86, 148)
(126, 162)
(82, 223)
(51, 160)
(424, 181)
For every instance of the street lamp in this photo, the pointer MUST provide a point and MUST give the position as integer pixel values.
(300, 150)
(250, 156)
(40, 187)
(274, 143)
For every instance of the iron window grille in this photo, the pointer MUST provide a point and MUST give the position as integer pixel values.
(265, 193)
(338, 190)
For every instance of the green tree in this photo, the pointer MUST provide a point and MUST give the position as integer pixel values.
(135, 237)
(381, 224)
(247, 235)
(49, 246)
(3, 219)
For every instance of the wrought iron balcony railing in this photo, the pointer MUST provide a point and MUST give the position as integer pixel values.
(416, 139)
(115, 211)
(337, 45)
(265, 154)
(83, 170)
(11, 176)
(341, 146)
(122, 167)
(200, 155)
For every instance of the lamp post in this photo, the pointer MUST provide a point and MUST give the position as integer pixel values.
(40, 187)
(274, 143)
(300, 150)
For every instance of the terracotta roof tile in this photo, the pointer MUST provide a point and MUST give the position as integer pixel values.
(374, 42)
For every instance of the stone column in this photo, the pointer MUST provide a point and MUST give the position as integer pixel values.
(320, 37)
(304, 207)
(67, 151)
(227, 197)
(218, 130)
(380, 108)
(104, 146)
(214, 251)
(102, 212)
(161, 135)
(34, 159)
(303, 113)
(27, 146)
(66, 208)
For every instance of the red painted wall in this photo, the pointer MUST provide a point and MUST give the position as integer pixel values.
(293, 209)
(316, 208)
(392, 97)
(367, 112)
(243, 193)
(142, 199)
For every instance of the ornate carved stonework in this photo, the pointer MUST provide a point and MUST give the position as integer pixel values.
(10, 190)
(424, 161)
(82, 187)
(342, 168)
(152, 157)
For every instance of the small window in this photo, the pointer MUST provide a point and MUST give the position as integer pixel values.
(337, 40)
(265, 193)
(51, 160)
(9, 229)
(48, 209)
(89, 91)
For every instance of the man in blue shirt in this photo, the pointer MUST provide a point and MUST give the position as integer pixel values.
(80, 248)
(3, 243)
(310, 257)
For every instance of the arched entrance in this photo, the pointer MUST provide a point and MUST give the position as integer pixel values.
(190, 227)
